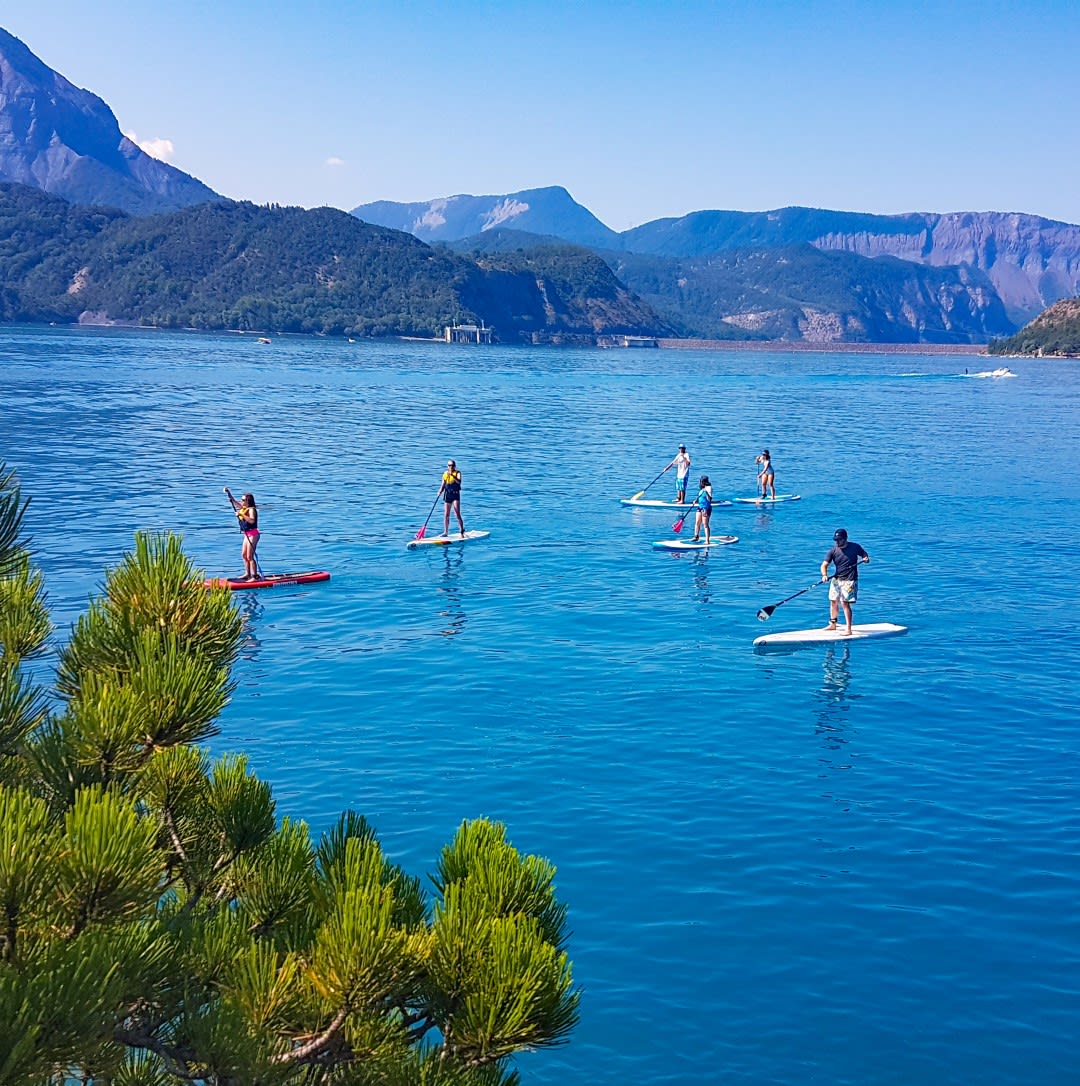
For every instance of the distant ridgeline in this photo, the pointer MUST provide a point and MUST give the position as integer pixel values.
(228, 265)
(795, 273)
(1055, 332)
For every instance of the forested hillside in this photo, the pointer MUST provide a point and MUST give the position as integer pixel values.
(1053, 332)
(238, 266)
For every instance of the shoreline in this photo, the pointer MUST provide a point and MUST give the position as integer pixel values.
(801, 347)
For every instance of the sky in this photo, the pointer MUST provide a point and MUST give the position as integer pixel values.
(640, 110)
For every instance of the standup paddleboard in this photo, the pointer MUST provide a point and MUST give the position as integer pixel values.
(823, 635)
(268, 580)
(656, 503)
(770, 501)
(446, 540)
(689, 545)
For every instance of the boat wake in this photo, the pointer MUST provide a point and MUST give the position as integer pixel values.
(1004, 371)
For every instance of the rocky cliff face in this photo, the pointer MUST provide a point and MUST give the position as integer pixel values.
(1032, 262)
(66, 141)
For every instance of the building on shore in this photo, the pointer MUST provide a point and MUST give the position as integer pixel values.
(467, 333)
(627, 341)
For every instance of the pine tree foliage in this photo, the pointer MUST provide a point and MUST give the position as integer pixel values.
(159, 923)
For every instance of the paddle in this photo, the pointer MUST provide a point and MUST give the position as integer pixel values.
(677, 526)
(423, 529)
(766, 612)
(641, 493)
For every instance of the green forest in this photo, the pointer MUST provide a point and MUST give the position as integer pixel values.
(239, 266)
(1055, 332)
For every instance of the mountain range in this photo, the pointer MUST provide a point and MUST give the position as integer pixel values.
(1028, 261)
(536, 261)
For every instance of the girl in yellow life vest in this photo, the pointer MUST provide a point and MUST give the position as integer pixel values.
(451, 492)
(248, 516)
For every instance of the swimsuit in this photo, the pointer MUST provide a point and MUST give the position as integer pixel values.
(704, 501)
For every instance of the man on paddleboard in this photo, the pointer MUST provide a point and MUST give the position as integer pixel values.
(844, 586)
(681, 464)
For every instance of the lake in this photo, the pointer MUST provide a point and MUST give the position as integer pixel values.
(847, 864)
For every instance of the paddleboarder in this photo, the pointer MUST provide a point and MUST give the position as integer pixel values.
(766, 477)
(451, 492)
(704, 510)
(248, 516)
(681, 464)
(845, 557)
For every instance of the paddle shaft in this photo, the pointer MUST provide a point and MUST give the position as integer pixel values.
(766, 612)
(420, 534)
(641, 493)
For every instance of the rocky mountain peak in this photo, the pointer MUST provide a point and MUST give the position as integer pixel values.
(66, 141)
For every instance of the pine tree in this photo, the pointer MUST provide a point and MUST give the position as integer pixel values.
(160, 924)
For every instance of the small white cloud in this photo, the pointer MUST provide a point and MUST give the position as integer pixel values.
(333, 160)
(160, 149)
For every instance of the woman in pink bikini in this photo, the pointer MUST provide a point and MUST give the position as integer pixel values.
(248, 516)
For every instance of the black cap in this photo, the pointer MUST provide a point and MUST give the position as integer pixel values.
(839, 535)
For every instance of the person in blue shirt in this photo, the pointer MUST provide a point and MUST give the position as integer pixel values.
(703, 511)
(845, 557)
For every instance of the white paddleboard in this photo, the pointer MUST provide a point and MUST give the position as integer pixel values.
(689, 545)
(656, 503)
(446, 540)
(822, 635)
(771, 501)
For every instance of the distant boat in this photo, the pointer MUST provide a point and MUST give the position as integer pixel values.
(263, 339)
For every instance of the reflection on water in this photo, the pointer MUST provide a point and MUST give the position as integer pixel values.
(449, 586)
(834, 699)
(251, 611)
(700, 562)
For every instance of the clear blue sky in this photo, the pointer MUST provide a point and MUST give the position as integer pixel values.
(641, 110)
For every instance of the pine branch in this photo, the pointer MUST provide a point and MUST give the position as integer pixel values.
(316, 1045)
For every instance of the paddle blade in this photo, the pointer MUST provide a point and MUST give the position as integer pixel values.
(420, 534)
(639, 494)
(677, 526)
(764, 614)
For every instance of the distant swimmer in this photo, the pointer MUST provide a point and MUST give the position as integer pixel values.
(845, 557)
(766, 476)
(248, 516)
(703, 513)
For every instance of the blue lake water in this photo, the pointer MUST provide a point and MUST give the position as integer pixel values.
(853, 864)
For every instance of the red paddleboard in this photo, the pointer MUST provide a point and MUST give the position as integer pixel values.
(268, 580)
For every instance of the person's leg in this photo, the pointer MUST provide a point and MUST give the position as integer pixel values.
(834, 605)
(772, 484)
(446, 518)
(847, 615)
(706, 517)
(697, 526)
(457, 512)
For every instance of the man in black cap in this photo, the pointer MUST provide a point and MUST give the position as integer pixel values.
(844, 587)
